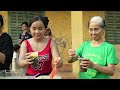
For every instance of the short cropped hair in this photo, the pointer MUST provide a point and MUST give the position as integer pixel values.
(16, 47)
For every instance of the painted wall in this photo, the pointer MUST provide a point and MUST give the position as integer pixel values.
(77, 34)
(5, 17)
(60, 24)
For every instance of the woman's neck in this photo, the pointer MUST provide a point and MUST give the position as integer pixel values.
(95, 43)
(39, 40)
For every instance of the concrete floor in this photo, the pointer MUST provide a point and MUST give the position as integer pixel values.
(117, 72)
(68, 75)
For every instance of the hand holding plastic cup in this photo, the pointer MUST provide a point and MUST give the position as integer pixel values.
(82, 68)
(34, 54)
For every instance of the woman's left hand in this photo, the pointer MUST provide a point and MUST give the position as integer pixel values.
(87, 63)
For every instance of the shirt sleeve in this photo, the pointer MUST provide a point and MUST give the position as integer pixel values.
(7, 49)
(80, 50)
(112, 58)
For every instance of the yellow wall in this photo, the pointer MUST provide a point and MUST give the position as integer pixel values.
(5, 17)
(77, 34)
(60, 24)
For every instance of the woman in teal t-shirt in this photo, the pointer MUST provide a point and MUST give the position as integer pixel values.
(99, 57)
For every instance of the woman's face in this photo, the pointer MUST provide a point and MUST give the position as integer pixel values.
(37, 29)
(24, 27)
(95, 31)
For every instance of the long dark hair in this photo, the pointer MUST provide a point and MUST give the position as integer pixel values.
(41, 18)
(48, 32)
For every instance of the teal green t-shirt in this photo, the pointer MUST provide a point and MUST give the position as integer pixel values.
(103, 55)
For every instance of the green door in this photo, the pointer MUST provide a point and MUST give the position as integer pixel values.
(15, 20)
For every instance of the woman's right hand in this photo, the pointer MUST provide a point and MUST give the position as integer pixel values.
(29, 58)
(71, 53)
(72, 57)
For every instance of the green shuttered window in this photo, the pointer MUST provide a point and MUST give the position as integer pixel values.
(112, 33)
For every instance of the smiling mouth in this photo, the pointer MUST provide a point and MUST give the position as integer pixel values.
(93, 35)
(37, 35)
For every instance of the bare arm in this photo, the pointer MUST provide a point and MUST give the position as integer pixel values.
(2, 58)
(109, 70)
(23, 61)
(55, 54)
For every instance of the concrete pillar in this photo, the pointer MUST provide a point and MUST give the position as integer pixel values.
(77, 34)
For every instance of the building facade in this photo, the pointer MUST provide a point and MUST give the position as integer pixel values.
(69, 28)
